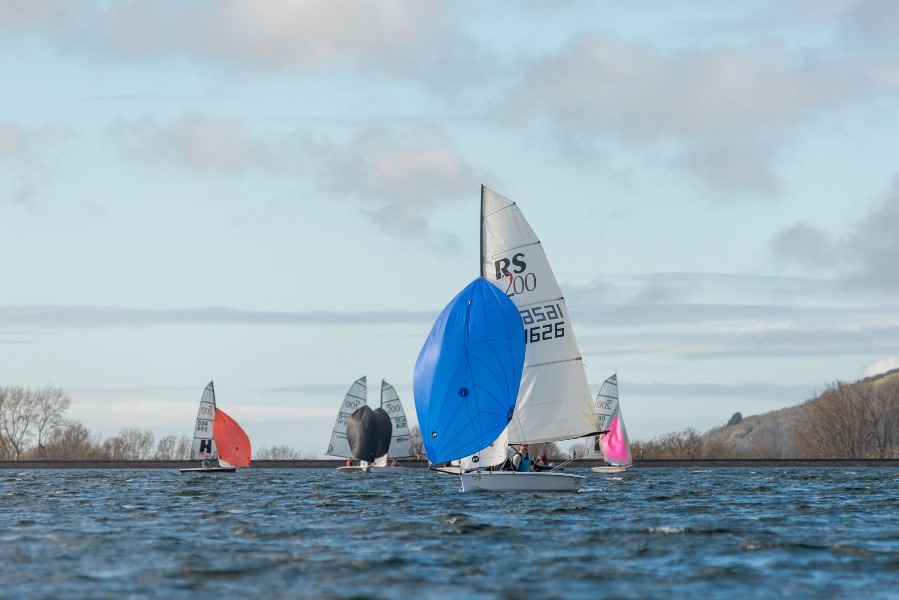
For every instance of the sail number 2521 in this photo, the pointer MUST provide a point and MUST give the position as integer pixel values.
(542, 323)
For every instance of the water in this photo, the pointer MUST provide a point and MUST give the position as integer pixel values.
(310, 533)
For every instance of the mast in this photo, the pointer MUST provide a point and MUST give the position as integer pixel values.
(482, 231)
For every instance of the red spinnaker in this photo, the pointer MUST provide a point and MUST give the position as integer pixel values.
(231, 440)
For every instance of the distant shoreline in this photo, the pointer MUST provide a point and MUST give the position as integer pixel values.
(421, 464)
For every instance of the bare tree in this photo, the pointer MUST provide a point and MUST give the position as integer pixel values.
(130, 444)
(72, 441)
(282, 452)
(417, 444)
(182, 452)
(171, 447)
(884, 420)
(52, 403)
(836, 423)
(17, 412)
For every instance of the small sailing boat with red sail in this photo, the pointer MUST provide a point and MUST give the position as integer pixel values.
(217, 437)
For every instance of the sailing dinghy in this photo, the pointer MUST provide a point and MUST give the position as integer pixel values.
(217, 437)
(339, 445)
(611, 445)
(554, 402)
(371, 436)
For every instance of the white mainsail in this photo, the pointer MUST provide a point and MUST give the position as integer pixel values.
(203, 446)
(554, 401)
(355, 398)
(401, 438)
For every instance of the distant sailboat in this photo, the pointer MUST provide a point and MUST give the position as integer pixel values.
(340, 445)
(217, 437)
(370, 436)
(612, 445)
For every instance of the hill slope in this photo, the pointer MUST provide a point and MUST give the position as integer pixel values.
(777, 434)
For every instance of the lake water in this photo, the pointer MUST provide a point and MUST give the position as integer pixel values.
(310, 533)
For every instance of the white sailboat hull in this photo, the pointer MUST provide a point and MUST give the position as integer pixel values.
(512, 481)
(209, 470)
(610, 469)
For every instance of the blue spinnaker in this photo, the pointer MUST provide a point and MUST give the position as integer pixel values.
(468, 373)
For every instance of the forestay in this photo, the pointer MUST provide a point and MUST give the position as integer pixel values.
(554, 400)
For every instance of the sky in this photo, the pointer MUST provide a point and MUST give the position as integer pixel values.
(282, 196)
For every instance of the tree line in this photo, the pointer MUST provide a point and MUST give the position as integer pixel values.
(33, 427)
(846, 421)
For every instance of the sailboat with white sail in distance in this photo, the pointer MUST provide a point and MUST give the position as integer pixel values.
(612, 444)
(371, 436)
(217, 437)
(339, 445)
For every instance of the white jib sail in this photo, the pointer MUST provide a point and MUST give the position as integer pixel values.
(554, 401)
(203, 447)
(355, 398)
(401, 438)
(494, 454)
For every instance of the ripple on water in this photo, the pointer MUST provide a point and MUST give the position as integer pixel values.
(651, 533)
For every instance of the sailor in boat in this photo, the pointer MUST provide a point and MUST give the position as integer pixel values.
(205, 463)
(521, 460)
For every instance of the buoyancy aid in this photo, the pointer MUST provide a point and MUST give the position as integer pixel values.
(525, 465)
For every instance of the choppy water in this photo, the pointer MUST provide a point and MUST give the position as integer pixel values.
(310, 533)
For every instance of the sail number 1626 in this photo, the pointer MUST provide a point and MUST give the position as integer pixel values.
(542, 323)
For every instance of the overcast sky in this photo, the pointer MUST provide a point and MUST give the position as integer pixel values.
(282, 196)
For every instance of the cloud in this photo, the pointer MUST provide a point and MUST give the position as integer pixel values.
(871, 24)
(264, 34)
(882, 366)
(748, 390)
(24, 14)
(31, 157)
(400, 177)
(863, 257)
(200, 144)
(723, 111)
(12, 142)
(88, 317)
(873, 246)
(639, 90)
